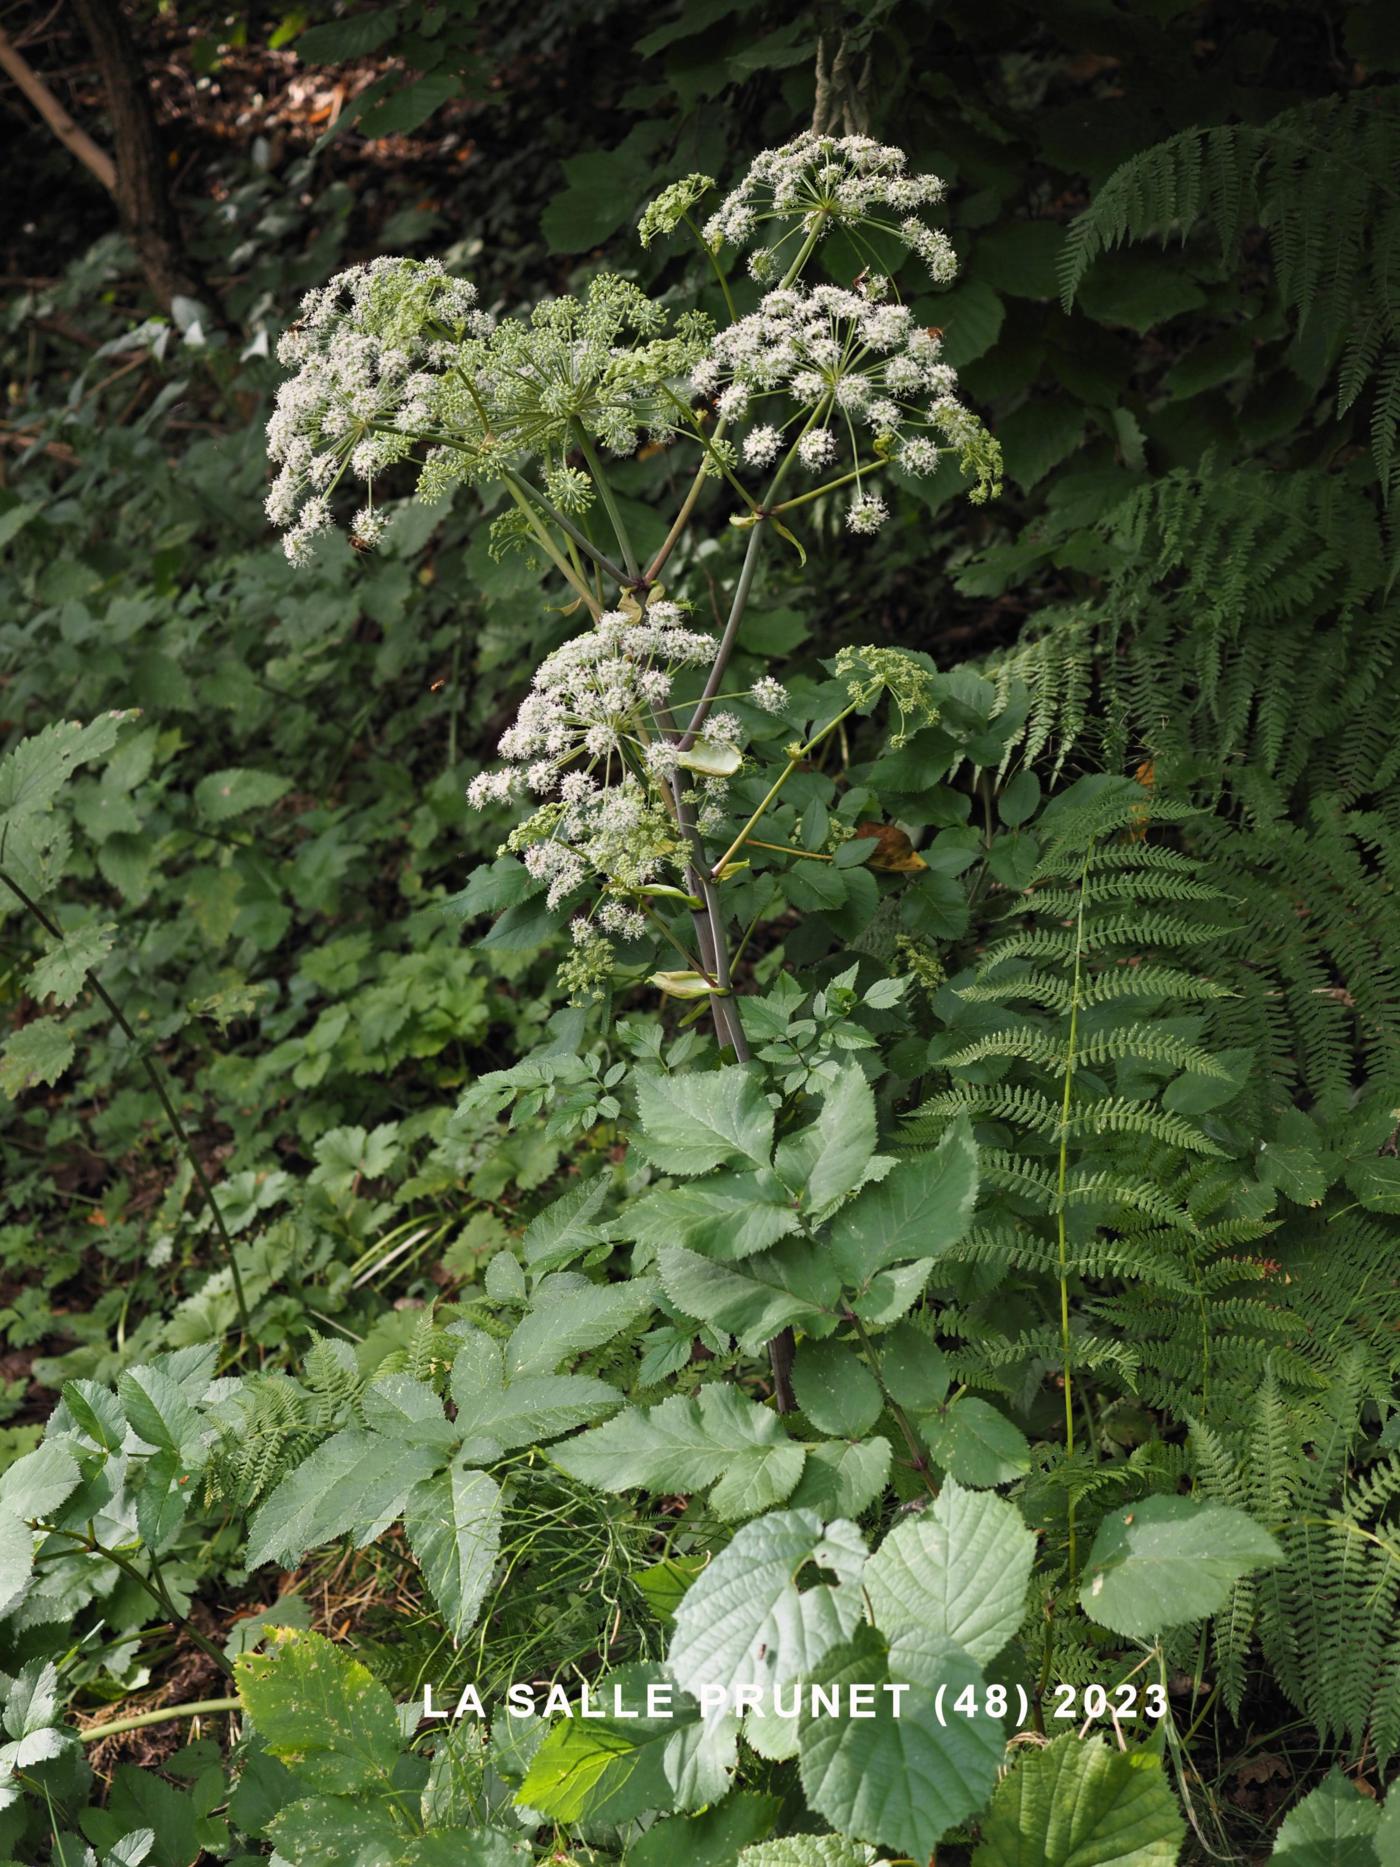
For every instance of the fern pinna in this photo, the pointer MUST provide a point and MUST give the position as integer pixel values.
(1113, 1242)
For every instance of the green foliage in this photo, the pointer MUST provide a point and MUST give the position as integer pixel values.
(951, 1243)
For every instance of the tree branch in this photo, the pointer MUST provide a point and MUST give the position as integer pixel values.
(75, 139)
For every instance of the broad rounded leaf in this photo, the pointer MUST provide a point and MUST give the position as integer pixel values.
(903, 1780)
(958, 1570)
(746, 1621)
(321, 1713)
(975, 1443)
(836, 1390)
(1334, 1826)
(1169, 1560)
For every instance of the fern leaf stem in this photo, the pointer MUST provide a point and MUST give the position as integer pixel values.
(1062, 1181)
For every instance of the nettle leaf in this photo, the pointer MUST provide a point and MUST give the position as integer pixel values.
(1333, 1826)
(356, 1483)
(845, 1136)
(534, 1408)
(62, 973)
(616, 1768)
(1079, 1803)
(221, 795)
(919, 1210)
(753, 1301)
(693, 1123)
(568, 1319)
(836, 1390)
(453, 1523)
(685, 1445)
(958, 1571)
(727, 1217)
(903, 1780)
(975, 1443)
(745, 1620)
(1169, 1560)
(321, 1713)
(38, 1052)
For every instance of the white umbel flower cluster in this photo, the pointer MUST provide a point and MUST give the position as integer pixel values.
(819, 182)
(588, 736)
(827, 368)
(366, 349)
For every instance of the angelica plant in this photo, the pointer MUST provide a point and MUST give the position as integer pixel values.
(815, 393)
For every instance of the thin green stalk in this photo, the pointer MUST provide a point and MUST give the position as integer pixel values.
(831, 486)
(1061, 1186)
(163, 1714)
(801, 753)
(539, 531)
(918, 1454)
(153, 1076)
(567, 526)
(600, 480)
(153, 1584)
(713, 258)
(804, 253)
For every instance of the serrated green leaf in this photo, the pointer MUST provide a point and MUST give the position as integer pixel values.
(355, 1484)
(692, 1123)
(38, 1485)
(155, 1408)
(958, 1571)
(902, 1781)
(62, 973)
(685, 1445)
(805, 1851)
(1077, 1803)
(36, 1053)
(1169, 1560)
(975, 1443)
(710, 1839)
(753, 1300)
(1333, 1826)
(33, 773)
(321, 1713)
(845, 1138)
(619, 1767)
(728, 1216)
(571, 1319)
(564, 1230)
(919, 1210)
(222, 795)
(841, 1478)
(745, 1620)
(453, 1523)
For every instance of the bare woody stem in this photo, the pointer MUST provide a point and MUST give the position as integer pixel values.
(157, 1082)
